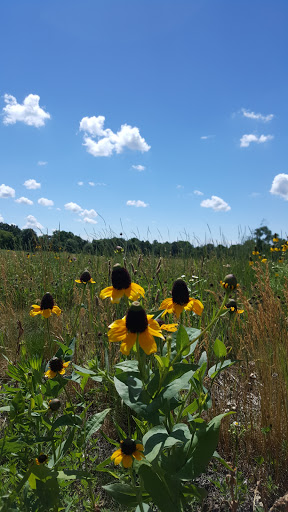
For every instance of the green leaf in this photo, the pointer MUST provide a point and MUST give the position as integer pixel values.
(145, 508)
(123, 493)
(182, 338)
(219, 348)
(68, 420)
(219, 367)
(128, 365)
(72, 475)
(190, 408)
(154, 441)
(159, 492)
(95, 423)
(195, 491)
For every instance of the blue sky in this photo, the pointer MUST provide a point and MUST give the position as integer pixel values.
(157, 119)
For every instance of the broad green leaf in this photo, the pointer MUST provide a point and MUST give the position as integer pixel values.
(124, 494)
(219, 367)
(72, 474)
(153, 441)
(68, 420)
(219, 349)
(182, 338)
(166, 501)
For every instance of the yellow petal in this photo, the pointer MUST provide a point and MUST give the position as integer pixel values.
(46, 313)
(136, 291)
(66, 364)
(177, 309)
(169, 327)
(56, 310)
(117, 295)
(140, 447)
(106, 292)
(167, 304)
(116, 454)
(78, 281)
(34, 313)
(147, 342)
(128, 343)
(127, 461)
(50, 374)
(117, 330)
(138, 455)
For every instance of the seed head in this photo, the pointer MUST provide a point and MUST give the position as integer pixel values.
(128, 446)
(180, 293)
(136, 318)
(120, 277)
(47, 301)
(85, 276)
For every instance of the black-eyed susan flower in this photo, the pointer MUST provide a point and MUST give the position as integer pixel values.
(275, 238)
(135, 324)
(41, 459)
(56, 365)
(264, 260)
(251, 262)
(54, 404)
(118, 249)
(128, 450)
(232, 306)
(230, 282)
(122, 285)
(169, 327)
(85, 278)
(180, 300)
(281, 260)
(255, 252)
(46, 308)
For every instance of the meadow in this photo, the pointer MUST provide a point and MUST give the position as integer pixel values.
(208, 409)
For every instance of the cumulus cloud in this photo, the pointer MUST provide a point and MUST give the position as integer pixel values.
(23, 200)
(6, 191)
(31, 184)
(89, 213)
(91, 183)
(280, 186)
(104, 142)
(138, 167)
(42, 163)
(246, 140)
(29, 112)
(89, 221)
(216, 203)
(205, 137)
(198, 193)
(45, 202)
(179, 186)
(258, 117)
(80, 183)
(32, 222)
(138, 204)
(73, 207)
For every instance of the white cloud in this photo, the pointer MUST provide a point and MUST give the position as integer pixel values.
(1, 218)
(107, 141)
(23, 200)
(6, 191)
(280, 186)
(33, 223)
(89, 221)
(91, 183)
(205, 137)
(216, 203)
(29, 112)
(198, 193)
(179, 186)
(80, 183)
(138, 204)
(255, 194)
(259, 117)
(73, 207)
(246, 140)
(89, 213)
(31, 184)
(139, 167)
(45, 202)
(42, 163)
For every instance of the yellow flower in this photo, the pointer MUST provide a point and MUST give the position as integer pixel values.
(251, 262)
(135, 323)
(56, 365)
(41, 459)
(263, 260)
(232, 305)
(128, 449)
(275, 238)
(180, 300)
(255, 252)
(84, 278)
(281, 260)
(169, 327)
(46, 308)
(122, 285)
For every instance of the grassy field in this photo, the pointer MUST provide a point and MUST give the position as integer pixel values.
(253, 441)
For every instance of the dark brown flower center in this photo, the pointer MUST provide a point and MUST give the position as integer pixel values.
(56, 364)
(47, 301)
(120, 278)
(42, 458)
(54, 404)
(85, 276)
(128, 446)
(180, 293)
(136, 318)
(231, 280)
